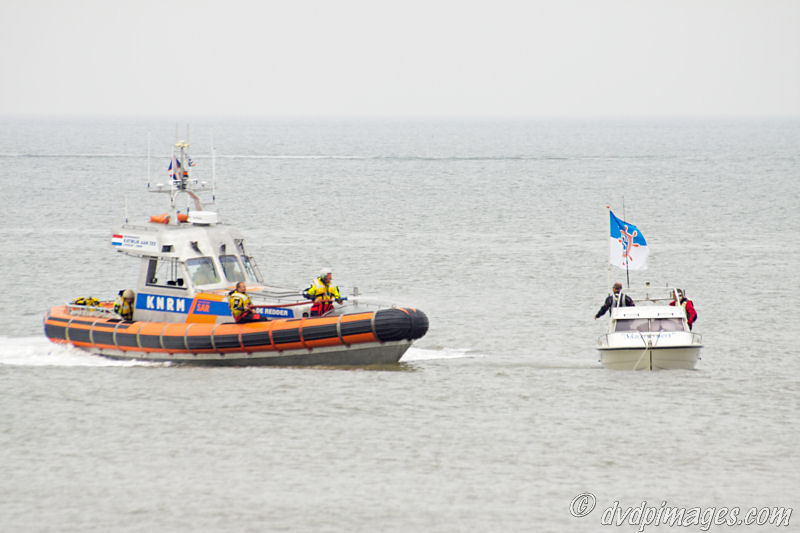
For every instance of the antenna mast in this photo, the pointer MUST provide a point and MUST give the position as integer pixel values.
(180, 182)
(148, 160)
(213, 171)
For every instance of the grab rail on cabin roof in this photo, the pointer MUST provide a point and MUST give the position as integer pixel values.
(91, 310)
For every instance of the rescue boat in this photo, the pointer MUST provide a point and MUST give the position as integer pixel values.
(190, 262)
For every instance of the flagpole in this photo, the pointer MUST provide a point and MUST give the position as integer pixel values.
(627, 270)
(627, 275)
(608, 265)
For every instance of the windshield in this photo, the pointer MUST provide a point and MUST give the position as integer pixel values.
(649, 324)
(251, 268)
(202, 271)
(232, 268)
(165, 272)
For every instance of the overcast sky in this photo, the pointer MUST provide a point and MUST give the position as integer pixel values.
(400, 58)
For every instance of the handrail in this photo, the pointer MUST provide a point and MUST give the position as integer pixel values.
(91, 310)
(277, 306)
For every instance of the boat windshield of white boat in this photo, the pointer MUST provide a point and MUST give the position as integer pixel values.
(645, 325)
(651, 312)
(649, 296)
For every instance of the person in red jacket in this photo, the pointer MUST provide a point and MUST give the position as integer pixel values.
(688, 307)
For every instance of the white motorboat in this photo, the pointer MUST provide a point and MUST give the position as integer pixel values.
(651, 335)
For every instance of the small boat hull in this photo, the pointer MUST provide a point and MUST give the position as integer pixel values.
(379, 337)
(638, 358)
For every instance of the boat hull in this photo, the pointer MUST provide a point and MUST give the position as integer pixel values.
(379, 337)
(358, 355)
(638, 358)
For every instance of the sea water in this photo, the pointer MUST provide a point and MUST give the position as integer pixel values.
(501, 416)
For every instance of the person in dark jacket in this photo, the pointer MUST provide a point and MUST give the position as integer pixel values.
(612, 301)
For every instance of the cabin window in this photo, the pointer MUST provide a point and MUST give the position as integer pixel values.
(232, 268)
(649, 324)
(666, 324)
(251, 268)
(202, 271)
(632, 324)
(165, 272)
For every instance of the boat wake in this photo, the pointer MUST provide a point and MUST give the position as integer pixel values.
(421, 354)
(39, 351)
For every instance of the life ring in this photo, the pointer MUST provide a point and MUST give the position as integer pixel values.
(163, 218)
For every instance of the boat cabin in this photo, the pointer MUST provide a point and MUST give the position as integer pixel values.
(651, 313)
(179, 261)
(189, 260)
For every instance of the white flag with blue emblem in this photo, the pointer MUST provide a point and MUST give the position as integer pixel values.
(628, 249)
